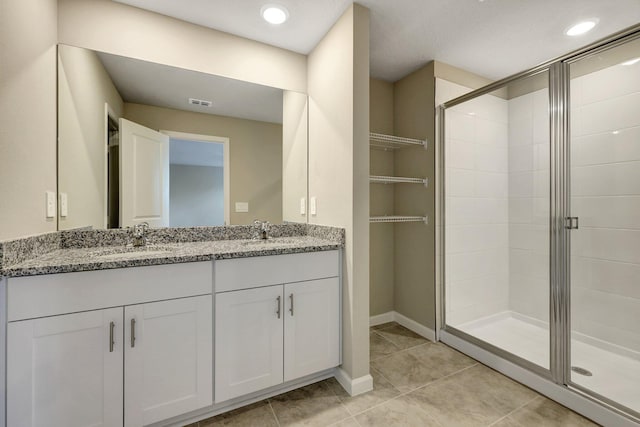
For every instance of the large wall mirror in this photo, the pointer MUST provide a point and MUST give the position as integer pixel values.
(139, 141)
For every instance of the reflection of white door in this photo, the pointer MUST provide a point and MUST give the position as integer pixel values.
(144, 175)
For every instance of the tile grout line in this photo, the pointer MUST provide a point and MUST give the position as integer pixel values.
(443, 378)
(398, 345)
(412, 390)
(514, 411)
(424, 385)
(398, 349)
(273, 412)
(339, 401)
(404, 350)
(386, 327)
(386, 339)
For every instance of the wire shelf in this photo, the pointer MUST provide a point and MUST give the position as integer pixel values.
(399, 218)
(390, 142)
(379, 179)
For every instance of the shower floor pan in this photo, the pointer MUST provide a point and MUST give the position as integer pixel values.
(615, 370)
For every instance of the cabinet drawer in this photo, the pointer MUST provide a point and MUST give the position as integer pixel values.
(244, 273)
(48, 295)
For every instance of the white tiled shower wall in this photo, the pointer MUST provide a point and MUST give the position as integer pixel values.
(605, 195)
(477, 209)
(497, 219)
(529, 204)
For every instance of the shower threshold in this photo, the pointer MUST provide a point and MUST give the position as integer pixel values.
(615, 370)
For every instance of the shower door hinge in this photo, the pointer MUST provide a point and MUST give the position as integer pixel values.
(571, 223)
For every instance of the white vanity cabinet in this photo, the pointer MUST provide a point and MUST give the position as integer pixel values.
(62, 370)
(248, 341)
(167, 359)
(146, 358)
(277, 318)
(311, 327)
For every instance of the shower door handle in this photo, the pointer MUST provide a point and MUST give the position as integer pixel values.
(571, 223)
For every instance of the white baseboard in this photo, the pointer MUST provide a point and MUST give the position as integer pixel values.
(416, 327)
(412, 325)
(354, 386)
(381, 318)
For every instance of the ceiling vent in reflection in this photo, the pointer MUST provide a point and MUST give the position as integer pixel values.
(200, 102)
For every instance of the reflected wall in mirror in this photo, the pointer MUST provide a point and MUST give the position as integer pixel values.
(139, 141)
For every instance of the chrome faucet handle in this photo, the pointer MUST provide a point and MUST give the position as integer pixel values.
(264, 230)
(139, 234)
(140, 229)
(261, 229)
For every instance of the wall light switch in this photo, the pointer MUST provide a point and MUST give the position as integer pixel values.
(313, 207)
(242, 206)
(303, 206)
(64, 205)
(51, 204)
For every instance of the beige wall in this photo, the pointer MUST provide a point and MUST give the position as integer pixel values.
(381, 245)
(28, 82)
(414, 117)
(112, 27)
(338, 76)
(458, 75)
(83, 89)
(414, 268)
(294, 155)
(28, 37)
(255, 151)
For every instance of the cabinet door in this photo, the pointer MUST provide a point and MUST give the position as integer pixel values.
(248, 341)
(168, 359)
(312, 327)
(63, 370)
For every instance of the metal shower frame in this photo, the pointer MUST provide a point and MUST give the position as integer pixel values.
(560, 209)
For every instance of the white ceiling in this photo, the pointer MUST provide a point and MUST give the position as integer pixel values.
(493, 38)
(172, 87)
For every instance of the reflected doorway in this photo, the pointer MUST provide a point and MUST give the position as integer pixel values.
(198, 180)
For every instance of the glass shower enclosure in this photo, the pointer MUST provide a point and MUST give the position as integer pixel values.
(539, 202)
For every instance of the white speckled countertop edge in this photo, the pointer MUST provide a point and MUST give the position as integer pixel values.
(101, 257)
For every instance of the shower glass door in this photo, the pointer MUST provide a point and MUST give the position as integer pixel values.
(605, 235)
(496, 219)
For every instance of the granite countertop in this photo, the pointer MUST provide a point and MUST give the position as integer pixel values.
(72, 259)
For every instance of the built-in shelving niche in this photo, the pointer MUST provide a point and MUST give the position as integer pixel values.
(390, 142)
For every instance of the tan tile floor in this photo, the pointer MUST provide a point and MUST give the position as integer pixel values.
(416, 383)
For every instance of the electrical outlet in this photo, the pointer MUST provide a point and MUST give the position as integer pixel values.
(313, 208)
(64, 205)
(242, 206)
(51, 204)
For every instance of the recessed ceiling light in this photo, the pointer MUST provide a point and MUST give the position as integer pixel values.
(581, 27)
(631, 61)
(274, 14)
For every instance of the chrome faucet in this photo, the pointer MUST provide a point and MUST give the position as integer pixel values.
(139, 235)
(262, 229)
